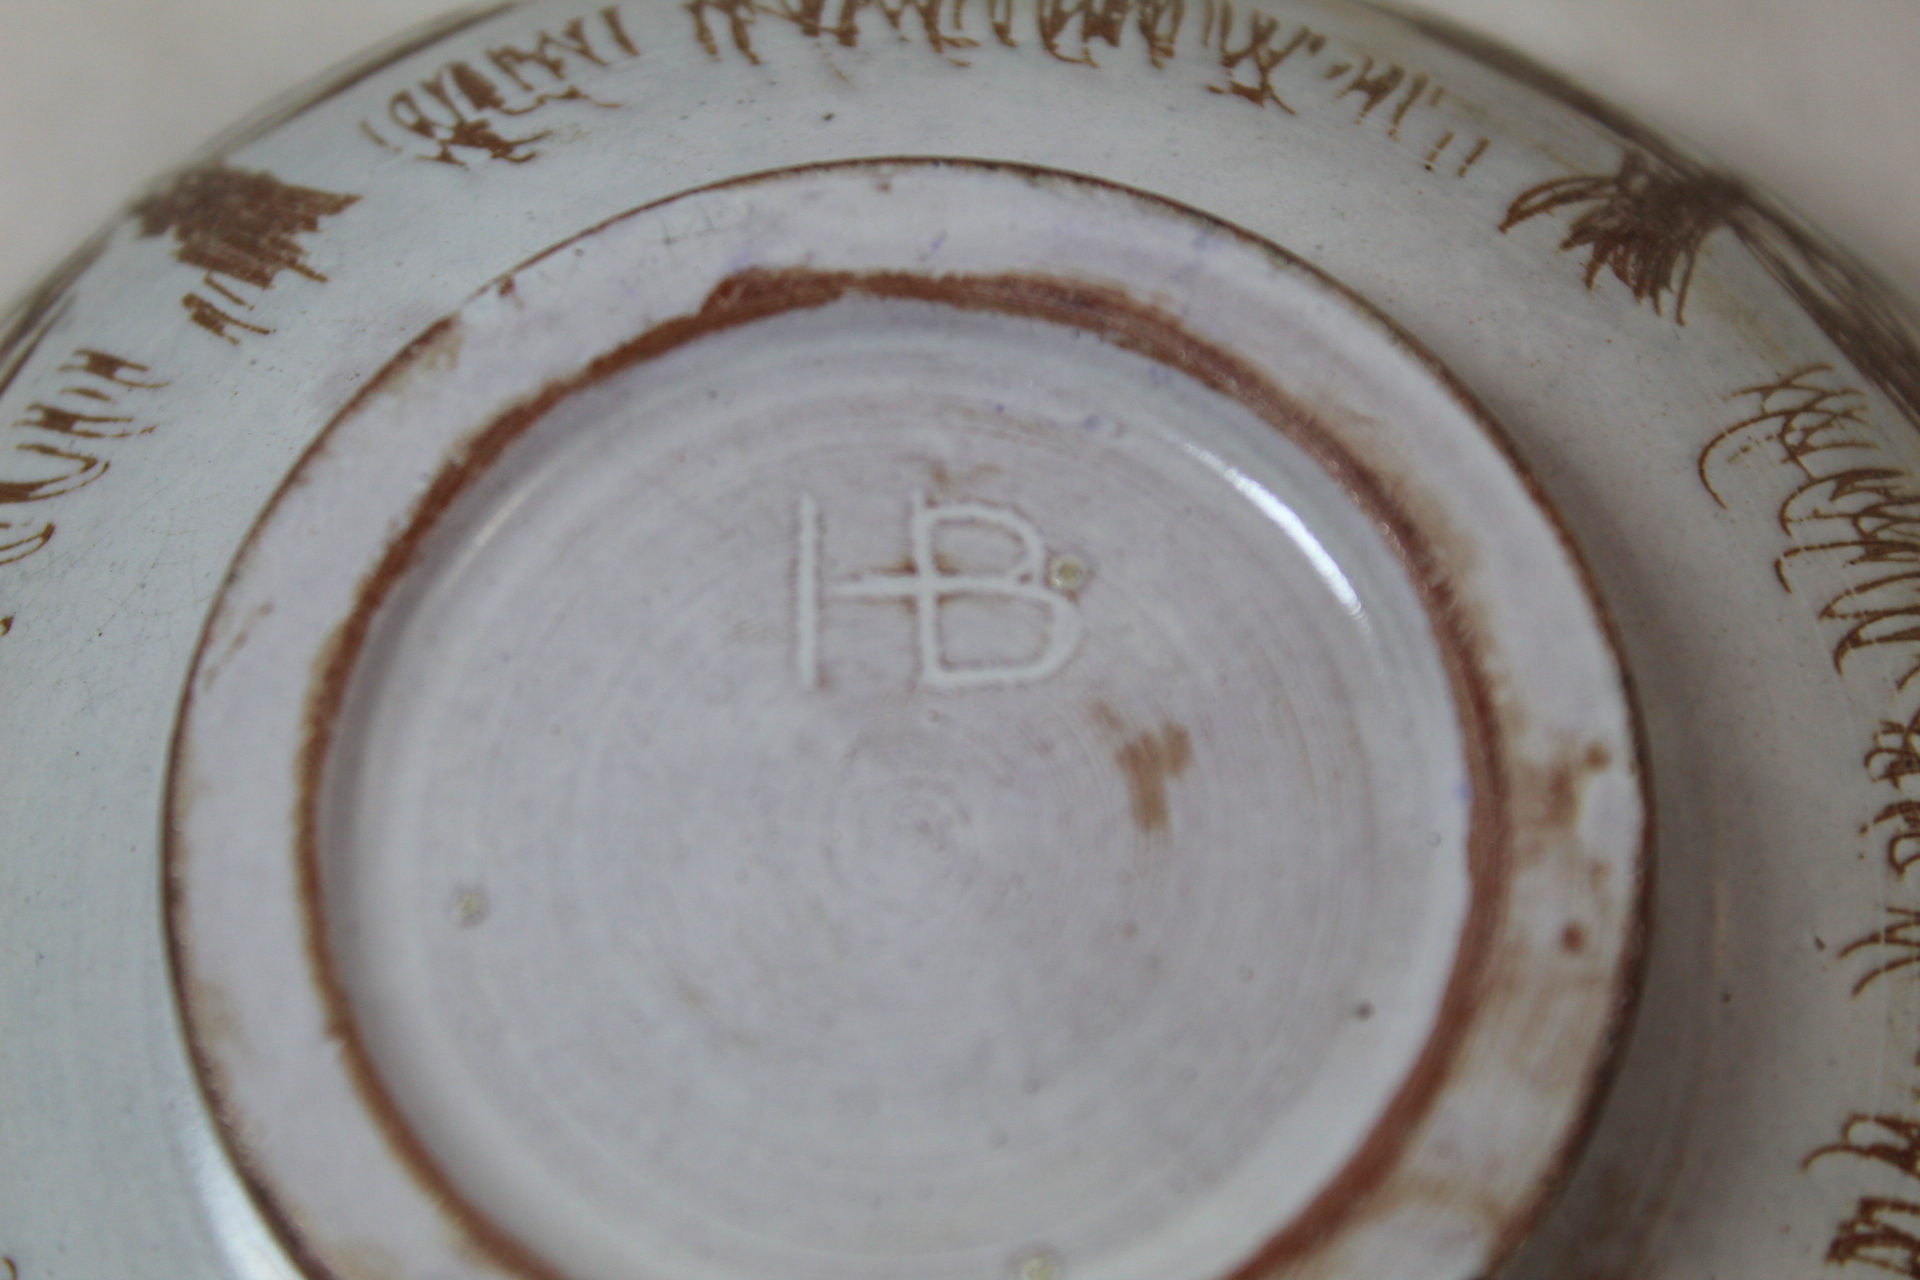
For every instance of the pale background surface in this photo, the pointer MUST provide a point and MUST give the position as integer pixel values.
(1818, 100)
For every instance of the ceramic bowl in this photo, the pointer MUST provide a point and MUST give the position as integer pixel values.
(980, 638)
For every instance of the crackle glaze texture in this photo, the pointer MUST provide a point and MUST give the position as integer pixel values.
(1715, 409)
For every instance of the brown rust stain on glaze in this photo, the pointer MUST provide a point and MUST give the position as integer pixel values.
(1564, 783)
(1148, 761)
(1545, 800)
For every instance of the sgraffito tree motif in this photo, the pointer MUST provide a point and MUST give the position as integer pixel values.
(1647, 223)
(240, 225)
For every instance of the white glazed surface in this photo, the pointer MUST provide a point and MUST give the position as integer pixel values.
(1753, 1049)
(1260, 957)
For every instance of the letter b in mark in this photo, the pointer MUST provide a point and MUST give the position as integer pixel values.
(928, 588)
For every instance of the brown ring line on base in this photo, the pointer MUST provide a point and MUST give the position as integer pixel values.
(1112, 316)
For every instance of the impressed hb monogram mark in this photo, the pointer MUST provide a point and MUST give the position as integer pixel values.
(928, 588)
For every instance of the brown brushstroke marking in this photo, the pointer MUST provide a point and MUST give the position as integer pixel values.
(202, 1023)
(108, 368)
(1250, 47)
(71, 422)
(82, 410)
(220, 324)
(77, 470)
(239, 223)
(1646, 223)
(1116, 318)
(1374, 87)
(1890, 1140)
(1851, 305)
(451, 112)
(738, 15)
(221, 1023)
(17, 541)
(611, 15)
(1418, 87)
(1857, 506)
(1099, 20)
(1853, 500)
(1897, 944)
(1883, 1232)
(374, 135)
(1158, 22)
(1259, 50)
(461, 132)
(85, 410)
(551, 54)
(498, 1248)
(1473, 157)
(1894, 758)
(1053, 18)
(13, 1272)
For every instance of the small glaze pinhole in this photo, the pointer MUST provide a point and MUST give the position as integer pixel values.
(1066, 574)
(470, 905)
(1037, 1264)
